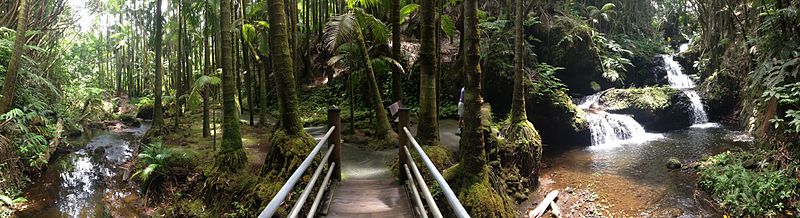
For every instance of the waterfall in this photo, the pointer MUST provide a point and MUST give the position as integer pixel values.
(678, 80)
(611, 130)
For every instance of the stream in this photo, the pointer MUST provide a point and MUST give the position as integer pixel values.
(85, 178)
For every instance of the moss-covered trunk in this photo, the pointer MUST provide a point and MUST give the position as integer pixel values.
(231, 156)
(10, 83)
(290, 143)
(158, 110)
(428, 129)
(524, 143)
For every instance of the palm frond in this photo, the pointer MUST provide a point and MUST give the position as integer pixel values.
(339, 30)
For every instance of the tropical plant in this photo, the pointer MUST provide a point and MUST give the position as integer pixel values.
(350, 28)
(154, 159)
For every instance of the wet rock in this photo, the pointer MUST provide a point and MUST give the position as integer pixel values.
(145, 112)
(558, 120)
(129, 120)
(656, 108)
(674, 163)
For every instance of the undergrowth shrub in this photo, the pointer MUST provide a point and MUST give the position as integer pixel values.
(750, 184)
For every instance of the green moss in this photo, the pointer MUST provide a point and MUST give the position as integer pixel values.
(561, 122)
(286, 153)
(522, 149)
(478, 194)
(648, 98)
(439, 156)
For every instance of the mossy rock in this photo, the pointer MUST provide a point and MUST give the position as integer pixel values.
(721, 93)
(560, 121)
(478, 194)
(656, 108)
(129, 120)
(146, 111)
(567, 42)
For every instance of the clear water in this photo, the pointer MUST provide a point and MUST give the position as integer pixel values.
(633, 180)
(86, 178)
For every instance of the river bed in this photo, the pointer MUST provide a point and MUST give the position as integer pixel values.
(87, 178)
(632, 179)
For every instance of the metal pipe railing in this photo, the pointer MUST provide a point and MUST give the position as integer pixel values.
(407, 139)
(415, 194)
(422, 186)
(334, 147)
(306, 191)
(313, 211)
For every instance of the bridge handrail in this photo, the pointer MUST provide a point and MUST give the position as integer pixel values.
(332, 151)
(407, 138)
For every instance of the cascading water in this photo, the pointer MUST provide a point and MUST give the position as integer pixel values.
(611, 130)
(678, 80)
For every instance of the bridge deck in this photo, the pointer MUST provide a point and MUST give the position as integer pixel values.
(370, 198)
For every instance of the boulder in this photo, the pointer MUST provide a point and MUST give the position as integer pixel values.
(656, 108)
(565, 42)
(720, 92)
(129, 120)
(145, 112)
(558, 120)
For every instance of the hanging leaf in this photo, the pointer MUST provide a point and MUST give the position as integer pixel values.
(608, 7)
(406, 11)
(448, 26)
(248, 32)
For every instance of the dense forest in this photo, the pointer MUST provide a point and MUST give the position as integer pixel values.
(215, 108)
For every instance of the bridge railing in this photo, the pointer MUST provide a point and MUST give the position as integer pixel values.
(331, 157)
(409, 172)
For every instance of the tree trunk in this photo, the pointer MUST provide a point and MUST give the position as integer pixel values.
(428, 129)
(383, 130)
(158, 117)
(473, 155)
(231, 156)
(206, 71)
(10, 83)
(282, 64)
(397, 82)
(518, 101)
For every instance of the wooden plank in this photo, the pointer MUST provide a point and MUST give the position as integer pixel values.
(555, 209)
(539, 210)
(370, 198)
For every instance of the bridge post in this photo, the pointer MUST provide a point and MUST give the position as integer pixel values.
(334, 119)
(403, 115)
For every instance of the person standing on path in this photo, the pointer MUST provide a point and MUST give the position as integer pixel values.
(460, 111)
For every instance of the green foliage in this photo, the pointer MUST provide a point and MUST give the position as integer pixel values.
(613, 58)
(546, 83)
(159, 160)
(788, 96)
(748, 184)
(29, 133)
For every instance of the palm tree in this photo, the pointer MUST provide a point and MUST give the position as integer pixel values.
(10, 83)
(397, 90)
(428, 129)
(525, 140)
(158, 117)
(346, 28)
(290, 143)
(231, 156)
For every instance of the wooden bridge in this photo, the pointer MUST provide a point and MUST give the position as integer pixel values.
(406, 196)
